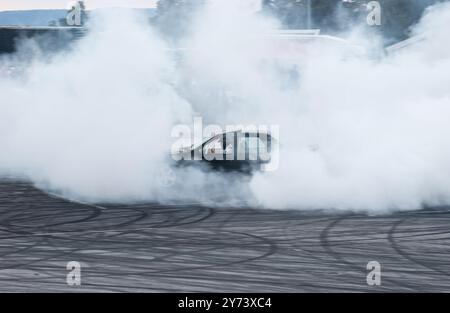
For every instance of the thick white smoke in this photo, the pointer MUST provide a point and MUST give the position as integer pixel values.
(356, 133)
(380, 130)
(96, 122)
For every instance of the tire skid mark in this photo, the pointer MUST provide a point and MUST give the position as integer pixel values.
(407, 256)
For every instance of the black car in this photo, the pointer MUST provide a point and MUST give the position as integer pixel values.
(236, 151)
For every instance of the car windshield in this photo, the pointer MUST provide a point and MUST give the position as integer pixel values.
(214, 145)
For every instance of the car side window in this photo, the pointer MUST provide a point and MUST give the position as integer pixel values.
(214, 146)
(254, 146)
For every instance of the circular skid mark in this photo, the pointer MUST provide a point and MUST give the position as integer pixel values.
(193, 248)
(423, 246)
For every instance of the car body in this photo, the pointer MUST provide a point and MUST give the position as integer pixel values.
(236, 151)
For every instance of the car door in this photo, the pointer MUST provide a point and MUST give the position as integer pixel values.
(221, 153)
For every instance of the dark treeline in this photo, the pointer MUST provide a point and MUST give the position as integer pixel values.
(331, 16)
(174, 17)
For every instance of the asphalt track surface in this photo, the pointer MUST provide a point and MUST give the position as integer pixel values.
(155, 248)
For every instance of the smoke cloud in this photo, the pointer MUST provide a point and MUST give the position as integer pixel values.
(356, 132)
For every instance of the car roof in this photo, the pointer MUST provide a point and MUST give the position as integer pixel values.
(250, 133)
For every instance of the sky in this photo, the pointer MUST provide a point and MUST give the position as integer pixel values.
(63, 4)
